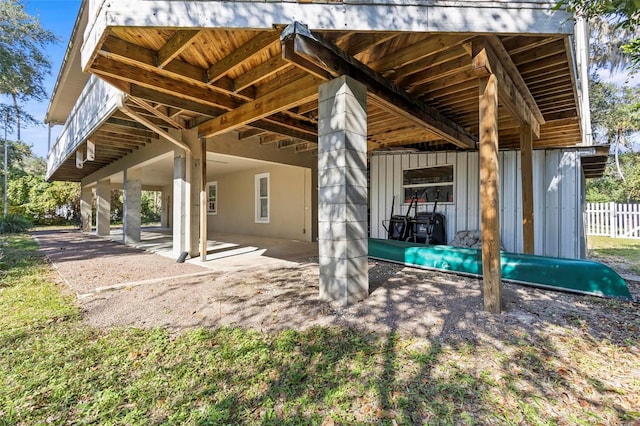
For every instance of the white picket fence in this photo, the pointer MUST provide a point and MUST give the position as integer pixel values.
(613, 220)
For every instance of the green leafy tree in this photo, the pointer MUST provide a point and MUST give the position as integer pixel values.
(23, 63)
(611, 188)
(616, 37)
(615, 116)
(150, 206)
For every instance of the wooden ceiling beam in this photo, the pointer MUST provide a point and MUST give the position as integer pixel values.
(381, 91)
(535, 55)
(246, 134)
(401, 75)
(176, 44)
(431, 45)
(140, 57)
(121, 60)
(256, 45)
(260, 72)
(414, 83)
(289, 96)
(174, 101)
(154, 112)
(490, 57)
(204, 95)
(274, 127)
(558, 60)
(519, 44)
(126, 127)
(356, 43)
(119, 138)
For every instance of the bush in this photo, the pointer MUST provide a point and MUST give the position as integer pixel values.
(13, 224)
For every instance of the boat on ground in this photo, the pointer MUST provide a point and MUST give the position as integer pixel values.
(571, 275)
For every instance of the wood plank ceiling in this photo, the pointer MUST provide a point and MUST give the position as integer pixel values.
(238, 80)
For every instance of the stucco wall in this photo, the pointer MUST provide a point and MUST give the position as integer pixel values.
(290, 203)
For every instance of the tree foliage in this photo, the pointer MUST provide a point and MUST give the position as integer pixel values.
(615, 40)
(615, 111)
(23, 62)
(611, 188)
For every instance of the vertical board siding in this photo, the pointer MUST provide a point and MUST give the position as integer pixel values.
(558, 186)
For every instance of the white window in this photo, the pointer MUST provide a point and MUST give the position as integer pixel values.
(212, 198)
(262, 198)
(429, 184)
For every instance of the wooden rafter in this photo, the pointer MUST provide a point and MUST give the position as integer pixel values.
(286, 97)
(138, 57)
(402, 58)
(174, 101)
(156, 113)
(204, 95)
(259, 73)
(489, 57)
(175, 46)
(286, 131)
(381, 91)
(245, 52)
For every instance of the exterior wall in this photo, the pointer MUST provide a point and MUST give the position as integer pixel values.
(290, 203)
(558, 191)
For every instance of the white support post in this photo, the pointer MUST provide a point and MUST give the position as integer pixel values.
(86, 201)
(131, 220)
(103, 207)
(180, 204)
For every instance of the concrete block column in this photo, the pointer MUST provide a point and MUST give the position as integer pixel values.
(180, 215)
(190, 137)
(132, 214)
(86, 201)
(165, 214)
(342, 191)
(103, 207)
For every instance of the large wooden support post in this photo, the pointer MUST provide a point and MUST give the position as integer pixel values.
(132, 217)
(342, 194)
(203, 201)
(490, 193)
(86, 200)
(103, 207)
(526, 167)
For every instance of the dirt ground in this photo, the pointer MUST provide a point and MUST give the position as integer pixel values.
(122, 286)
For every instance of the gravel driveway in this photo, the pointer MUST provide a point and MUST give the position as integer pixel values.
(122, 286)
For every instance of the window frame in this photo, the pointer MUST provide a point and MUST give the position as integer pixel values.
(427, 185)
(258, 198)
(214, 211)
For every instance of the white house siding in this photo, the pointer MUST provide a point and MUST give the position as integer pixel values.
(557, 197)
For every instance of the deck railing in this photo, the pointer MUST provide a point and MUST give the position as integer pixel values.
(613, 220)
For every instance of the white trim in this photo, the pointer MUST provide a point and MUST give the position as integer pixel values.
(258, 198)
(215, 209)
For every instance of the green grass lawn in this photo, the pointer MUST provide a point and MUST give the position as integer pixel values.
(619, 250)
(54, 369)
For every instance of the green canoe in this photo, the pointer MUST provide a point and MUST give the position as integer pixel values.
(573, 275)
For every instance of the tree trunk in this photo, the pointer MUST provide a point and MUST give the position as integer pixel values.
(15, 105)
(616, 151)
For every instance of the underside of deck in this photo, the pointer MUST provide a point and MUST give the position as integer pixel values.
(258, 83)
